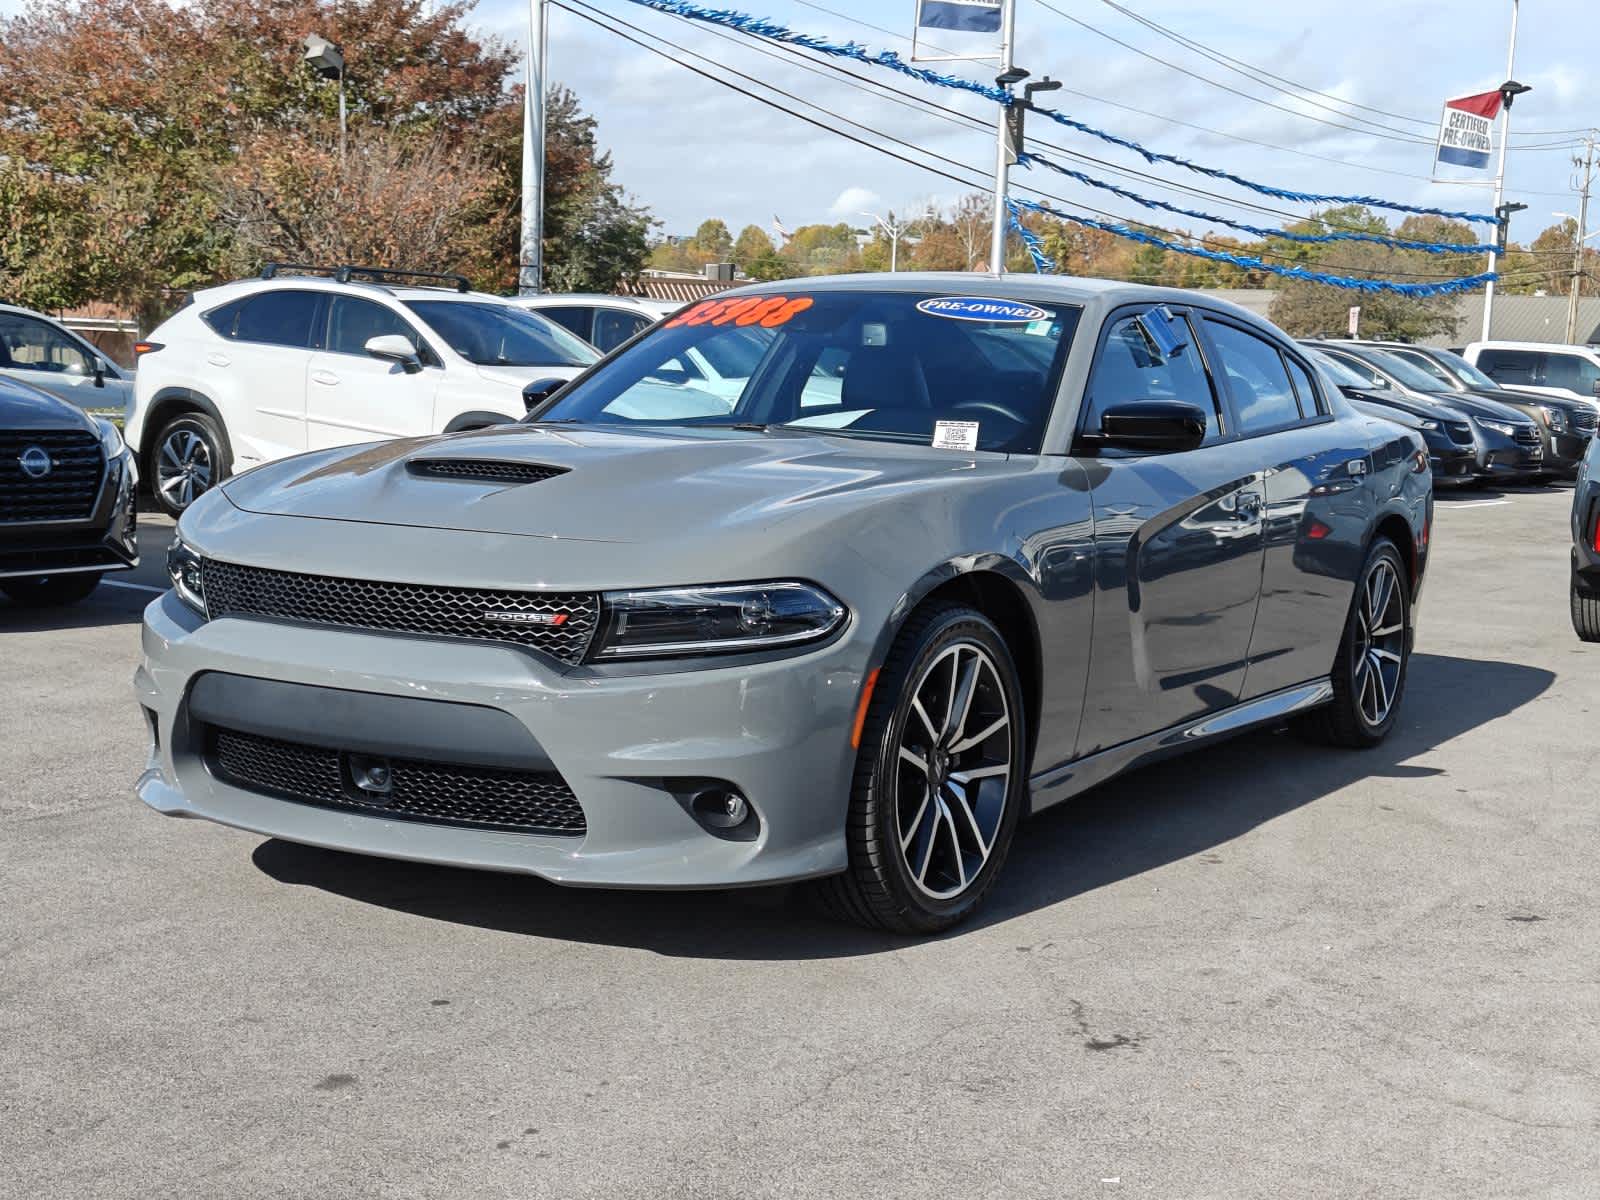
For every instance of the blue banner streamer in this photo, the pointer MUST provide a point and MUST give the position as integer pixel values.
(1029, 160)
(1448, 287)
(1042, 262)
(888, 59)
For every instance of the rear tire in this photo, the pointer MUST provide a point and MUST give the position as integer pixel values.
(50, 591)
(189, 458)
(1369, 672)
(1585, 613)
(940, 778)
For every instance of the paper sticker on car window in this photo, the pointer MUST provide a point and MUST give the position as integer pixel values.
(955, 435)
(981, 308)
(766, 311)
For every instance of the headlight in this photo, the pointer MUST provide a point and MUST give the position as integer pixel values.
(1553, 418)
(110, 438)
(1500, 427)
(183, 568)
(716, 620)
(1424, 423)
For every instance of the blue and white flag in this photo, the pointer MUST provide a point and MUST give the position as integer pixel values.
(968, 16)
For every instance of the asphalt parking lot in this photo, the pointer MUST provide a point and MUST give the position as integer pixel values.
(1265, 970)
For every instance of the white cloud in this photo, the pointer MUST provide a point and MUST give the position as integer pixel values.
(854, 201)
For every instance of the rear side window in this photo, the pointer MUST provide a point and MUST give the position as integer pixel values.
(1509, 366)
(1571, 372)
(278, 319)
(1310, 401)
(612, 327)
(1262, 394)
(224, 318)
(1131, 368)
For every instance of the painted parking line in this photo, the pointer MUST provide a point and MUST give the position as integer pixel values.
(1455, 504)
(132, 587)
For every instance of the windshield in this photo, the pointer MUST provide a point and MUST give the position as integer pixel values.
(959, 372)
(1407, 373)
(1466, 371)
(1342, 375)
(1423, 363)
(497, 335)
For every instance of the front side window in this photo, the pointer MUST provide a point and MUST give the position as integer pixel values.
(278, 319)
(1132, 367)
(1510, 366)
(1263, 397)
(876, 365)
(1355, 372)
(353, 323)
(30, 345)
(1572, 373)
(498, 335)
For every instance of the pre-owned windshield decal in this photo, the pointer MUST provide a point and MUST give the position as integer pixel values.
(766, 311)
(981, 308)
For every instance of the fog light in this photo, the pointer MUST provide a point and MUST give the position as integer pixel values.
(371, 775)
(721, 809)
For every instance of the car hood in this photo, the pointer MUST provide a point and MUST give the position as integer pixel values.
(1478, 404)
(521, 377)
(624, 486)
(1410, 405)
(1502, 396)
(23, 406)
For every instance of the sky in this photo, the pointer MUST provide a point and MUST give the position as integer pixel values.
(690, 148)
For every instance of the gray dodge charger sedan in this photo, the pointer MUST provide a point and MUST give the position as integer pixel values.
(930, 553)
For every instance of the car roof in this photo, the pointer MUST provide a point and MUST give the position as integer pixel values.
(224, 292)
(1550, 347)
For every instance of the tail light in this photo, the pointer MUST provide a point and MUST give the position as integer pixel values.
(1597, 530)
(140, 349)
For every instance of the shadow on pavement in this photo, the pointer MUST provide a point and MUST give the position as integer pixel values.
(1131, 825)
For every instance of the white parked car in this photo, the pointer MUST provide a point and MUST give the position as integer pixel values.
(40, 350)
(260, 369)
(605, 322)
(1552, 369)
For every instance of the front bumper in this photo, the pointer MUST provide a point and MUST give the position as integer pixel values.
(778, 731)
(1503, 458)
(106, 541)
(1451, 462)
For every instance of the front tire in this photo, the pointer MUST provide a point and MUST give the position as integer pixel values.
(190, 458)
(1369, 673)
(940, 778)
(50, 591)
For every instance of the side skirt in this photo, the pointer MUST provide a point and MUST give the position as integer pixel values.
(1060, 783)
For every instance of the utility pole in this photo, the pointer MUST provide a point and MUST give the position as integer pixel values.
(530, 271)
(896, 230)
(1005, 153)
(1506, 96)
(1586, 164)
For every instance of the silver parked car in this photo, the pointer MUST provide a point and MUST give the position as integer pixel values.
(1020, 535)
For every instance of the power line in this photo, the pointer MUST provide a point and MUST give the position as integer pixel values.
(568, 5)
(1392, 135)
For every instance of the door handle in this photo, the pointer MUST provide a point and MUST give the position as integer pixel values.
(326, 378)
(218, 360)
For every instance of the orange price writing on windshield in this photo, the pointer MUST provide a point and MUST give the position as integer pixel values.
(766, 311)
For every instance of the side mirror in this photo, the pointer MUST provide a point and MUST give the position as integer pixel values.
(1158, 425)
(537, 392)
(1596, 388)
(100, 372)
(394, 347)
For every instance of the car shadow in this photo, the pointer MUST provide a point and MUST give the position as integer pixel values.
(1158, 815)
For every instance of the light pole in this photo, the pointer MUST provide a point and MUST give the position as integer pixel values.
(327, 60)
(1509, 90)
(1003, 151)
(895, 230)
(530, 269)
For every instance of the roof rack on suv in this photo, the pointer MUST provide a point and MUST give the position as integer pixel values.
(347, 272)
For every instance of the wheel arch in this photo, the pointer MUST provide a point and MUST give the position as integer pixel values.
(1396, 526)
(167, 404)
(998, 588)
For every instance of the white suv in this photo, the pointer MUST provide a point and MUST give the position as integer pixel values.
(264, 368)
(1539, 367)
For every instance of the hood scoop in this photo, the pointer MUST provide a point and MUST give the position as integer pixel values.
(483, 470)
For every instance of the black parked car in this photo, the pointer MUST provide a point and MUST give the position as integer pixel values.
(1565, 423)
(67, 487)
(1586, 547)
(1452, 446)
(1510, 446)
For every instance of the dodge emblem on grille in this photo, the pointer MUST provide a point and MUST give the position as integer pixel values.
(35, 462)
(501, 616)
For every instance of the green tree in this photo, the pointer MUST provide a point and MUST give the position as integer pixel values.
(713, 240)
(752, 245)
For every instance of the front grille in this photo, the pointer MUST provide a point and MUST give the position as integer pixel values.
(1584, 420)
(238, 591)
(1460, 432)
(482, 469)
(1527, 435)
(67, 493)
(430, 792)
